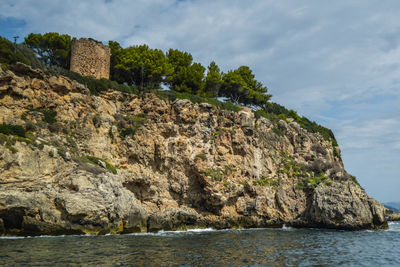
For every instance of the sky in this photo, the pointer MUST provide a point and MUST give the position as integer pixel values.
(335, 62)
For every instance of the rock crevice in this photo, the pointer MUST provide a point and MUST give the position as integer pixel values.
(118, 163)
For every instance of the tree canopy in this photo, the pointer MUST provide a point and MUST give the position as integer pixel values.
(138, 65)
(213, 81)
(241, 87)
(53, 49)
(185, 76)
(144, 67)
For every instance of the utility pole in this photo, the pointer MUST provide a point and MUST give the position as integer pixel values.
(15, 44)
(142, 77)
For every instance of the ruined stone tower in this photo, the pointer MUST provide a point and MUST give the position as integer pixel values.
(90, 58)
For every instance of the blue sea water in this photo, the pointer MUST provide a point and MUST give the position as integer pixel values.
(207, 247)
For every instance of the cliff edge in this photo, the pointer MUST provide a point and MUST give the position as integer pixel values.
(119, 163)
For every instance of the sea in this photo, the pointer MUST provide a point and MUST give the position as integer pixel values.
(207, 247)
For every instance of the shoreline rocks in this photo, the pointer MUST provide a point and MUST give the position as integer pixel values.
(119, 163)
(394, 217)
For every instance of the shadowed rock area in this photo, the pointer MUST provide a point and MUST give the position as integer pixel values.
(119, 163)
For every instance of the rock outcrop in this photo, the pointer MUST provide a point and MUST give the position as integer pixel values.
(118, 163)
(394, 217)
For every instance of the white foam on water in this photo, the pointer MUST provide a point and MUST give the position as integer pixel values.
(165, 233)
(12, 237)
(287, 228)
(393, 227)
(43, 236)
(199, 230)
(27, 237)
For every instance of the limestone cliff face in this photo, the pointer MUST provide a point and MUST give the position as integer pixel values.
(177, 165)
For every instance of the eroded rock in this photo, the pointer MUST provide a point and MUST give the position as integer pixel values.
(118, 163)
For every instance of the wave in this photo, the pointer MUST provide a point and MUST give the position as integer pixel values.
(43, 236)
(164, 233)
(287, 228)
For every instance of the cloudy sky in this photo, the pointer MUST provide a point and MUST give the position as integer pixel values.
(336, 62)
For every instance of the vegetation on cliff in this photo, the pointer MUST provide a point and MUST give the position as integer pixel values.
(52, 49)
(126, 160)
(138, 69)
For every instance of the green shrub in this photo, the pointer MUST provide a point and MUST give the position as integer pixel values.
(95, 160)
(9, 129)
(129, 125)
(62, 152)
(49, 115)
(216, 135)
(275, 112)
(274, 183)
(277, 131)
(310, 183)
(56, 128)
(96, 120)
(354, 179)
(215, 174)
(94, 85)
(30, 126)
(201, 156)
(10, 53)
(12, 149)
(282, 117)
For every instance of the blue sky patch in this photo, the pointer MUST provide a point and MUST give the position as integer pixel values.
(10, 27)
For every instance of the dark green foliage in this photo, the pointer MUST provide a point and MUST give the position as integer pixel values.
(138, 65)
(115, 49)
(275, 112)
(240, 86)
(201, 156)
(57, 128)
(10, 53)
(147, 68)
(262, 113)
(96, 120)
(310, 126)
(29, 56)
(215, 174)
(310, 183)
(3, 139)
(275, 108)
(129, 125)
(9, 129)
(7, 51)
(213, 81)
(49, 115)
(12, 149)
(354, 179)
(274, 183)
(53, 49)
(277, 131)
(94, 85)
(185, 76)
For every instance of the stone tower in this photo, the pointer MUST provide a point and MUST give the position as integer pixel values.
(90, 58)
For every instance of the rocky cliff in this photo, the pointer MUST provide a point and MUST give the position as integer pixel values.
(118, 163)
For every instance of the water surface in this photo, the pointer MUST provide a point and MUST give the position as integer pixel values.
(252, 247)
